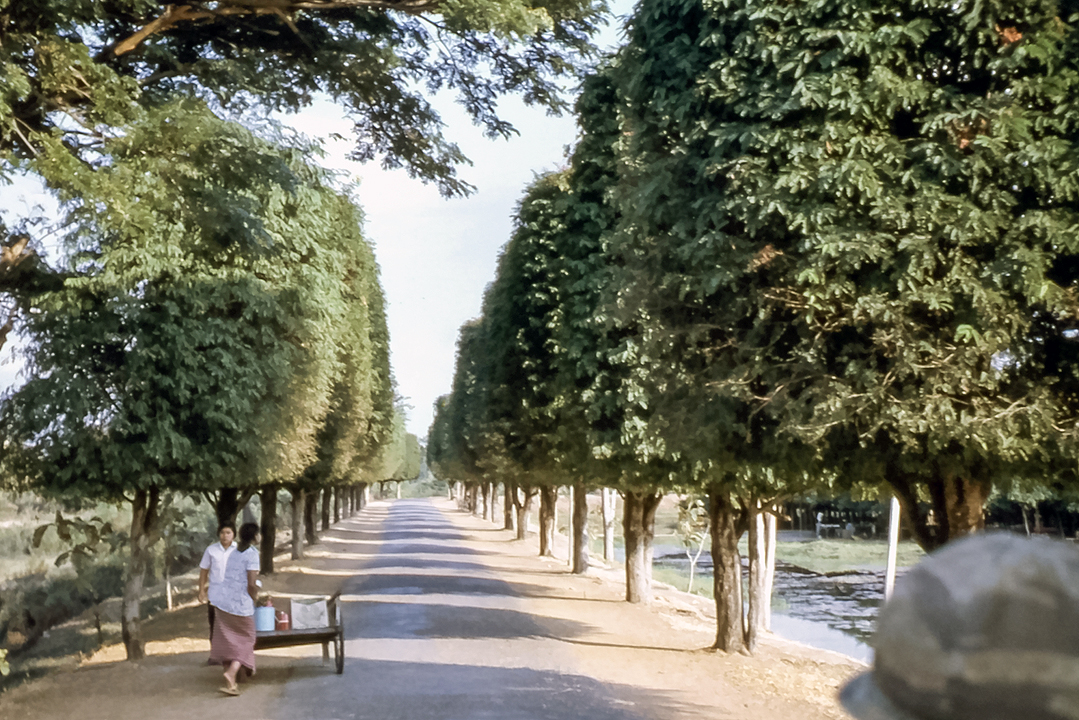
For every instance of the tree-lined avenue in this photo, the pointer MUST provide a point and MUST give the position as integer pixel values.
(448, 617)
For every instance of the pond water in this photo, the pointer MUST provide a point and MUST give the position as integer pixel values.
(836, 611)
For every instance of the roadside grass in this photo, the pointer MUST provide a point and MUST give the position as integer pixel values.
(678, 577)
(833, 556)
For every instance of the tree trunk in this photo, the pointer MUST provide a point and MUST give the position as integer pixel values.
(508, 491)
(523, 504)
(297, 523)
(725, 522)
(492, 491)
(143, 535)
(310, 517)
(228, 506)
(364, 496)
(638, 529)
(268, 500)
(964, 505)
(485, 491)
(326, 500)
(757, 574)
(337, 504)
(609, 507)
(580, 529)
(548, 497)
(958, 505)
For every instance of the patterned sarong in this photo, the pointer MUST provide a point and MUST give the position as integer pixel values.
(233, 638)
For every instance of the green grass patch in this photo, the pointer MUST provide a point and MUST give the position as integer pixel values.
(831, 556)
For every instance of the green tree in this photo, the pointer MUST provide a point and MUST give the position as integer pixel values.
(462, 450)
(695, 363)
(194, 346)
(520, 355)
(850, 223)
(911, 229)
(361, 401)
(399, 459)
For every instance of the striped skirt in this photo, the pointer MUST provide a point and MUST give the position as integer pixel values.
(233, 639)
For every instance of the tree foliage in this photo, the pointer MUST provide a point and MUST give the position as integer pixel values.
(76, 70)
(220, 291)
(863, 214)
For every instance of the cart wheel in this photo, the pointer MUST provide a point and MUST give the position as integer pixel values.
(339, 650)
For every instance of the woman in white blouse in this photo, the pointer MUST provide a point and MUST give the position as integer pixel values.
(212, 567)
(231, 574)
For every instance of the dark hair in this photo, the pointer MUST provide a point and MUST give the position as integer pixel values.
(248, 533)
(229, 525)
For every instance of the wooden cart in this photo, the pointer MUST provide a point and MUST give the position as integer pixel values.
(333, 633)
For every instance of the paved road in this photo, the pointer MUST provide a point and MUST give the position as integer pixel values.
(432, 631)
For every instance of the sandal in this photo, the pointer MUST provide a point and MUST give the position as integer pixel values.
(230, 690)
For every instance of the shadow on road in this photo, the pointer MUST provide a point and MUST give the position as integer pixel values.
(387, 690)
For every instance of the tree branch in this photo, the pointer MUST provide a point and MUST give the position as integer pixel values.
(284, 9)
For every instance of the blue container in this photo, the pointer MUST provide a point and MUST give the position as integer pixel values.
(264, 618)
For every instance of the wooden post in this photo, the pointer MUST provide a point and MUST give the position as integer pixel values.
(609, 499)
(893, 546)
(569, 529)
(769, 564)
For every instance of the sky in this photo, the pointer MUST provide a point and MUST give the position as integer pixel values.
(437, 255)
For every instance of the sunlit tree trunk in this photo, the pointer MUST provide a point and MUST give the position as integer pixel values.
(143, 535)
(770, 521)
(522, 501)
(609, 496)
(757, 576)
(297, 523)
(548, 498)
(507, 506)
(638, 530)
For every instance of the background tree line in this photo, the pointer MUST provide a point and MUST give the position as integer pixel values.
(797, 245)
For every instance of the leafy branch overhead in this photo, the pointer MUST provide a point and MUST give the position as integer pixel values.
(75, 72)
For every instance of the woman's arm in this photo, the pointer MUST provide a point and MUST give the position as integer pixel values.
(204, 580)
(252, 588)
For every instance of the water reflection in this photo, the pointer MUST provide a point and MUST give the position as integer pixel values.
(834, 611)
